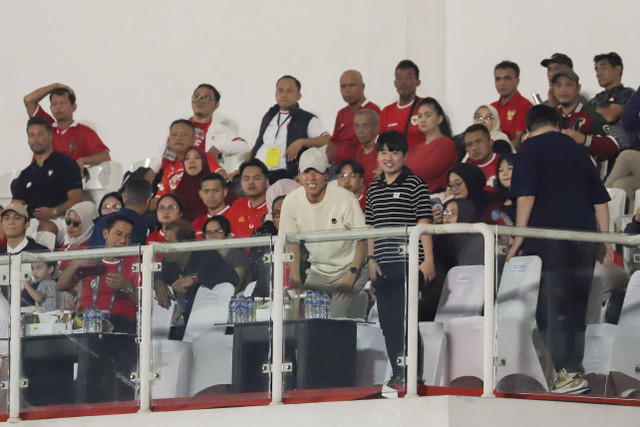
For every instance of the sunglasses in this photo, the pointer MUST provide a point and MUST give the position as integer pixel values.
(68, 221)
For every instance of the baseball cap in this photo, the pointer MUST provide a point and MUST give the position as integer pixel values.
(17, 208)
(558, 58)
(313, 158)
(567, 72)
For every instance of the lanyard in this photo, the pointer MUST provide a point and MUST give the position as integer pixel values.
(281, 124)
(96, 289)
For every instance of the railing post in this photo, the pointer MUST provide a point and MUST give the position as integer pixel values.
(277, 320)
(412, 310)
(488, 372)
(146, 344)
(15, 345)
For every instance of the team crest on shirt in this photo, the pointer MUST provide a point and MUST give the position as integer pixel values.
(50, 172)
(510, 114)
(241, 219)
(94, 283)
(396, 195)
(414, 120)
(28, 184)
(72, 146)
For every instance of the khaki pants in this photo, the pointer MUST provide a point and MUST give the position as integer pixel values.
(342, 306)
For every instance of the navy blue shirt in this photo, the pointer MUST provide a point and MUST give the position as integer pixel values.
(140, 229)
(559, 173)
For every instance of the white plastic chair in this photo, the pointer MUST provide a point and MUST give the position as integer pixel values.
(617, 347)
(210, 307)
(5, 187)
(103, 178)
(212, 359)
(616, 208)
(248, 290)
(636, 202)
(516, 311)
(462, 296)
(372, 360)
(171, 358)
(144, 163)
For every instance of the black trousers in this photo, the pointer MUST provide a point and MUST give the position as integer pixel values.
(565, 284)
(390, 296)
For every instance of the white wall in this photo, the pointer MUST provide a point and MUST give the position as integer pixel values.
(134, 64)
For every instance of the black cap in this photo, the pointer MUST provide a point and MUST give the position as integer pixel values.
(558, 58)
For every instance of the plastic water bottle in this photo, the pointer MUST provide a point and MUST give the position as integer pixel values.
(88, 320)
(316, 309)
(97, 319)
(242, 310)
(326, 301)
(250, 310)
(233, 310)
(308, 305)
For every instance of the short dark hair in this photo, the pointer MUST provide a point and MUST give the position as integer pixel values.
(39, 121)
(174, 197)
(216, 94)
(277, 199)
(477, 127)
(508, 65)
(406, 64)
(62, 91)
(612, 58)
(225, 225)
(287, 76)
(445, 125)
(541, 115)
(213, 176)
(393, 140)
(113, 219)
(183, 122)
(355, 165)
(254, 162)
(115, 195)
(182, 229)
(137, 191)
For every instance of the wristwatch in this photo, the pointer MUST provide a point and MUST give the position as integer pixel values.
(354, 270)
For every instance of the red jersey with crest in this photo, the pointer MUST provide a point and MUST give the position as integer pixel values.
(344, 135)
(76, 141)
(245, 218)
(394, 117)
(512, 114)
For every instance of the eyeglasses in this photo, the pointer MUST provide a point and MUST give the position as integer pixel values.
(455, 185)
(115, 207)
(206, 99)
(69, 221)
(449, 213)
(214, 233)
(344, 176)
(169, 208)
(483, 118)
(275, 214)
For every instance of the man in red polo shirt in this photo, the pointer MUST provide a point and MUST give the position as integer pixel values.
(245, 214)
(343, 143)
(478, 144)
(512, 107)
(69, 137)
(402, 116)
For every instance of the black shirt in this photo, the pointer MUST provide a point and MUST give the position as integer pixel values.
(563, 179)
(47, 186)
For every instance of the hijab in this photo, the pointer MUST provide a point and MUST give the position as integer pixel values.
(282, 187)
(496, 133)
(87, 212)
(189, 186)
(466, 210)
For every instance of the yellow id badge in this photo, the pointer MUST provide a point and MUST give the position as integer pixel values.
(273, 157)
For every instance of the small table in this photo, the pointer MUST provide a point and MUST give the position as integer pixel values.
(322, 353)
(104, 366)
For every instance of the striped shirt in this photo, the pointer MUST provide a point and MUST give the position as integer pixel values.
(401, 203)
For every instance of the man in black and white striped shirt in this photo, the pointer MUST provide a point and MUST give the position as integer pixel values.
(398, 198)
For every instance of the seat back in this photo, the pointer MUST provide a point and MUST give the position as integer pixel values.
(463, 293)
(518, 291)
(161, 320)
(210, 307)
(616, 208)
(630, 314)
(144, 163)
(5, 187)
(102, 179)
